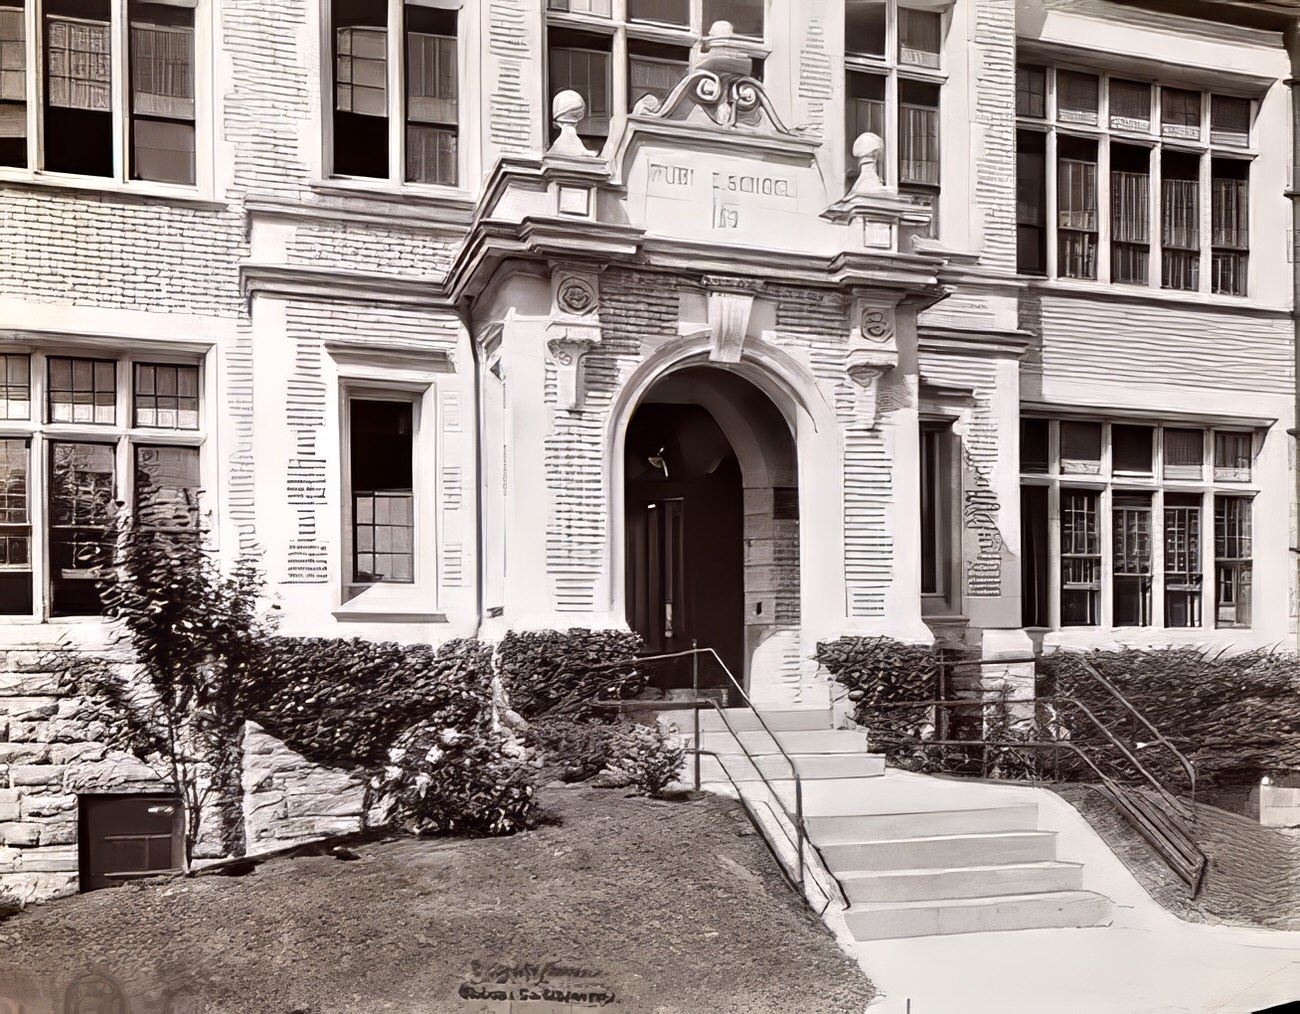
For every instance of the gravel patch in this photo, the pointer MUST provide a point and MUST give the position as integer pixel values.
(668, 907)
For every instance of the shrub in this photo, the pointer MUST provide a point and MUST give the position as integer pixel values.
(645, 757)
(1234, 716)
(579, 750)
(345, 703)
(551, 672)
(878, 672)
(443, 779)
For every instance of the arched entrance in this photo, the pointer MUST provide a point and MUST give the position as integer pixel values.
(711, 520)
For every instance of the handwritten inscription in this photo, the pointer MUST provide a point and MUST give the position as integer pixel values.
(544, 982)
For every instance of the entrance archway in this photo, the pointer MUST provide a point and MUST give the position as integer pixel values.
(711, 519)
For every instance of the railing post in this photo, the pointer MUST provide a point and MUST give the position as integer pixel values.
(798, 820)
(695, 707)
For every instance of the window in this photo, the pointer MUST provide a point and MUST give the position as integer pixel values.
(1076, 97)
(1080, 559)
(69, 66)
(658, 38)
(1167, 176)
(1131, 560)
(1232, 457)
(653, 69)
(13, 85)
(937, 484)
(1130, 198)
(382, 495)
(745, 16)
(894, 93)
(422, 120)
(1180, 236)
(1031, 92)
(1229, 225)
(1113, 519)
(581, 62)
(1031, 203)
(106, 432)
(1076, 192)
(1232, 561)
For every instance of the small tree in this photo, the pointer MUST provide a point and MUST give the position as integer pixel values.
(193, 631)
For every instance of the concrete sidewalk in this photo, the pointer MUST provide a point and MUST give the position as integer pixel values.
(1146, 962)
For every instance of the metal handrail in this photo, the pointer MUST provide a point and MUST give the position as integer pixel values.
(1160, 738)
(796, 818)
(1188, 861)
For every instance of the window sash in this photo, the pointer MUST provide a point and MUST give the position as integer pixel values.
(78, 63)
(361, 70)
(15, 386)
(918, 129)
(162, 70)
(920, 38)
(431, 79)
(1180, 113)
(1230, 213)
(587, 72)
(1031, 92)
(13, 56)
(81, 390)
(1130, 106)
(1077, 97)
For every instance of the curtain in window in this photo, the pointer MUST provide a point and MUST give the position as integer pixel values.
(918, 129)
(1229, 120)
(1230, 213)
(1130, 207)
(1182, 214)
(162, 71)
(919, 37)
(1184, 453)
(78, 64)
(1180, 113)
(1130, 105)
(431, 82)
(1077, 208)
(1076, 97)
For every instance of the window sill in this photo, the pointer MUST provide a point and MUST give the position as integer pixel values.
(105, 186)
(425, 193)
(1119, 292)
(357, 614)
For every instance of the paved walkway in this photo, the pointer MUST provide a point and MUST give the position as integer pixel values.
(1146, 962)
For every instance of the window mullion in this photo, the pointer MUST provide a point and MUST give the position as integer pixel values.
(396, 83)
(1051, 209)
(35, 87)
(1104, 225)
(618, 81)
(119, 87)
(1159, 617)
(1155, 256)
(1206, 279)
(1209, 577)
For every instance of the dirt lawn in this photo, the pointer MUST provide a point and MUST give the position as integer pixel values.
(668, 908)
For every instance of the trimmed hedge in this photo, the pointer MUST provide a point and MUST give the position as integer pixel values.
(344, 703)
(1235, 717)
(553, 672)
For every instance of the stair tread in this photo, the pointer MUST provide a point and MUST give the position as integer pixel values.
(955, 836)
(918, 871)
(996, 899)
(996, 808)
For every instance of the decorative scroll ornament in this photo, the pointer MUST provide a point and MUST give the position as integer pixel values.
(576, 296)
(873, 351)
(721, 83)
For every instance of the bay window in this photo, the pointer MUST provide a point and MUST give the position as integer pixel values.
(413, 134)
(1177, 160)
(60, 55)
(1114, 518)
(82, 437)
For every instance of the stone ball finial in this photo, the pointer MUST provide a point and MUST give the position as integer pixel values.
(721, 30)
(568, 107)
(567, 110)
(866, 150)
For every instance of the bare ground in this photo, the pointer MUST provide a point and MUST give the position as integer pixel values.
(1253, 878)
(673, 907)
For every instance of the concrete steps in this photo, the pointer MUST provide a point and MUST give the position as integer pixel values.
(955, 851)
(1048, 876)
(1050, 910)
(915, 855)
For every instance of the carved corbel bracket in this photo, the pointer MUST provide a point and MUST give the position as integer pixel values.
(730, 303)
(574, 329)
(873, 349)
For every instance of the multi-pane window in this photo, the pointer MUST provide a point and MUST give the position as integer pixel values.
(82, 438)
(937, 482)
(1232, 560)
(893, 55)
(413, 135)
(1177, 159)
(67, 68)
(658, 37)
(381, 469)
(1114, 522)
